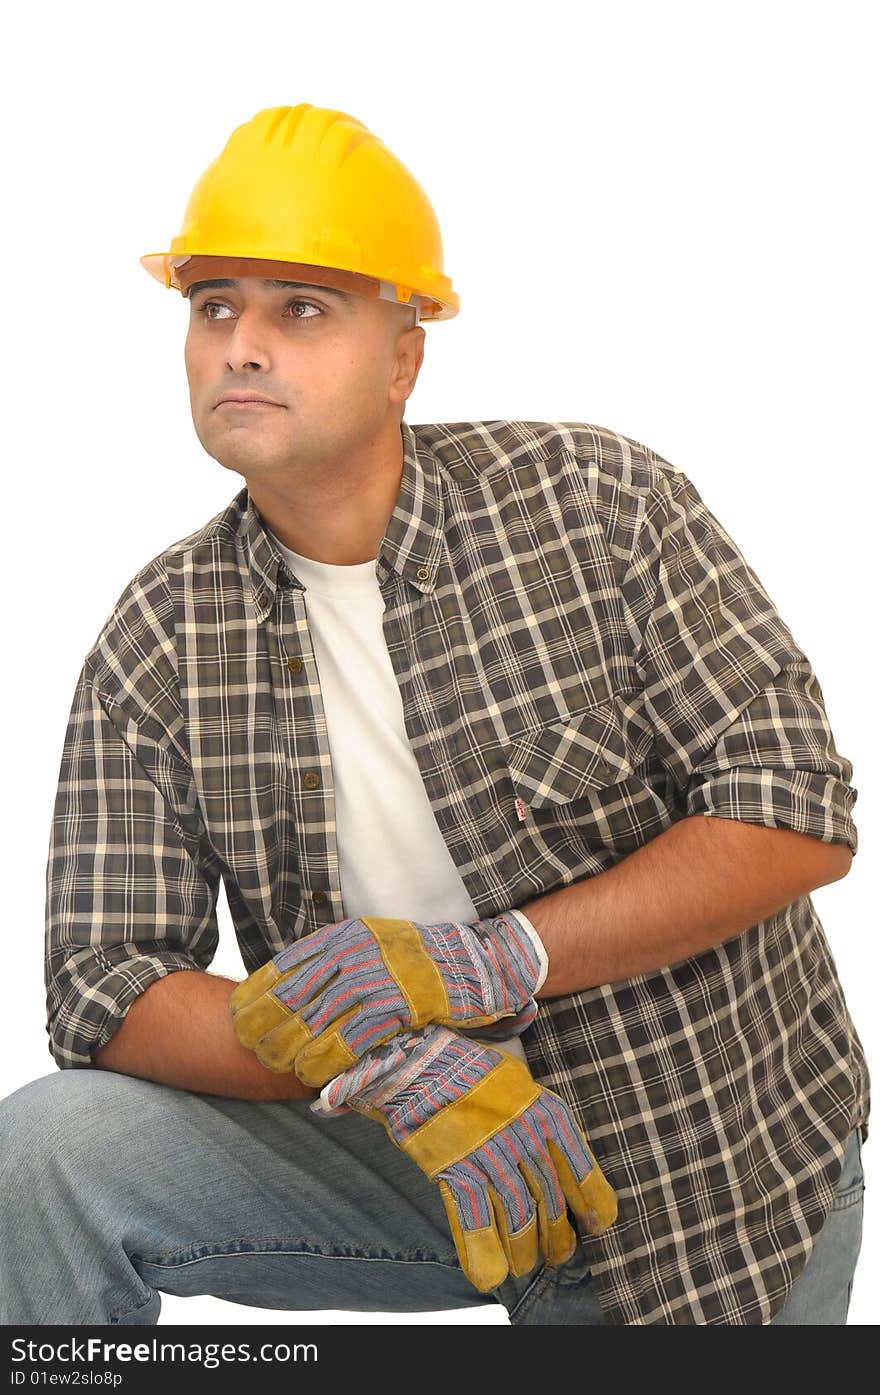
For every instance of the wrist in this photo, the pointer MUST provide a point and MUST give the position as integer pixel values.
(538, 944)
(514, 959)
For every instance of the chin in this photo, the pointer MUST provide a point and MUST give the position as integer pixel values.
(255, 464)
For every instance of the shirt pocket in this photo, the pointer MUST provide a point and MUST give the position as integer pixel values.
(572, 758)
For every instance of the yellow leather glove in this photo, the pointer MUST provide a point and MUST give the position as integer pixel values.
(506, 1153)
(330, 997)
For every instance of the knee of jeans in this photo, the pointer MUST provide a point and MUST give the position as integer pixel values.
(66, 1118)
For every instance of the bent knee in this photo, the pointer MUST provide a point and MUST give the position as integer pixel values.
(73, 1114)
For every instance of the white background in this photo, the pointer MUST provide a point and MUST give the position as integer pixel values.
(660, 217)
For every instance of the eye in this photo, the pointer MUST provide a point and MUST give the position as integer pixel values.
(298, 309)
(210, 306)
(295, 305)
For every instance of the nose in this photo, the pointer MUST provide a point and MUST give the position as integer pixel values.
(247, 346)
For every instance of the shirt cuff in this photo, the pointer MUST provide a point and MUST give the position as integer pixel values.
(807, 801)
(544, 962)
(90, 993)
(323, 1107)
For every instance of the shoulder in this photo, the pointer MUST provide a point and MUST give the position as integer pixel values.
(605, 458)
(468, 449)
(618, 477)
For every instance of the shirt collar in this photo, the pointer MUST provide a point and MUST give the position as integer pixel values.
(411, 546)
(413, 539)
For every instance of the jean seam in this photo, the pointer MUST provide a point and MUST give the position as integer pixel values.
(358, 1257)
(845, 1200)
(540, 1282)
(276, 1244)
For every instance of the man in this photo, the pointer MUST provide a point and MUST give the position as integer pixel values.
(518, 787)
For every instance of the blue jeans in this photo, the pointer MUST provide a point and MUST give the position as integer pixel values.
(116, 1189)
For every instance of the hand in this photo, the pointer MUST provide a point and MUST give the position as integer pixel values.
(504, 1027)
(506, 1153)
(320, 1004)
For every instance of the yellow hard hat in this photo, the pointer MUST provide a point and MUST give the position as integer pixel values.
(311, 186)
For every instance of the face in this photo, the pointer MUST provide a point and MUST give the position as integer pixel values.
(287, 378)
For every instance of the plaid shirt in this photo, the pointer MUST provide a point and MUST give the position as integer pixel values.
(583, 658)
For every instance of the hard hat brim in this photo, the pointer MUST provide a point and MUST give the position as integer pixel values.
(180, 273)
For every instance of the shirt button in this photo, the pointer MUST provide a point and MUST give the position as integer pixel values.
(423, 573)
(295, 665)
(311, 780)
(319, 898)
(262, 599)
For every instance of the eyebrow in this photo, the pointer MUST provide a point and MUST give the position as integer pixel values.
(276, 285)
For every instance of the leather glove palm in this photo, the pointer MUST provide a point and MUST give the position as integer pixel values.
(506, 1153)
(325, 1001)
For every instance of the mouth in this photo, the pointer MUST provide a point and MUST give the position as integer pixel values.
(250, 401)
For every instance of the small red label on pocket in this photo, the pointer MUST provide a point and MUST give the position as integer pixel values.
(521, 810)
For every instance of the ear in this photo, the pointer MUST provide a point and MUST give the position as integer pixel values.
(409, 354)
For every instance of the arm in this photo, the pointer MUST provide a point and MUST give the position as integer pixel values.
(700, 882)
(179, 1032)
(764, 800)
(131, 910)
(741, 730)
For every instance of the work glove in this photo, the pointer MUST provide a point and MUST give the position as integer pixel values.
(506, 1153)
(504, 1027)
(329, 998)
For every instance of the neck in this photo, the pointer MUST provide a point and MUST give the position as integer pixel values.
(337, 516)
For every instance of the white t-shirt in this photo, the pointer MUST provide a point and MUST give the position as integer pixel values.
(392, 857)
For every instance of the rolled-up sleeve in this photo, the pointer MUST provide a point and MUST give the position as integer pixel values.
(737, 712)
(131, 885)
(777, 764)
